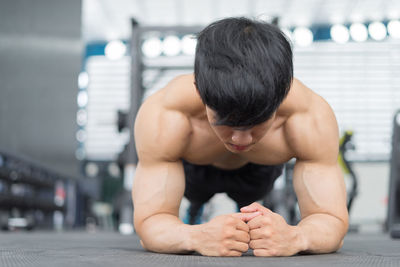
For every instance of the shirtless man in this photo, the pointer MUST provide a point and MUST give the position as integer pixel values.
(229, 128)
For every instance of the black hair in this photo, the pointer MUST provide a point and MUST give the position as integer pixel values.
(243, 70)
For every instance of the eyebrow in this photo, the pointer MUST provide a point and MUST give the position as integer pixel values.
(244, 128)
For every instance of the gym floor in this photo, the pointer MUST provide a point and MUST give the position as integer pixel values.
(107, 248)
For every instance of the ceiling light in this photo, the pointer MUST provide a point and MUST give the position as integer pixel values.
(115, 50)
(340, 33)
(358, 32)
(394, 29)
(82, 99)
(81, 117)
(377, 30)
(83, 80)
(151, 47)
(189, 43)
(303, 36)
(171, 46)
(81, 136)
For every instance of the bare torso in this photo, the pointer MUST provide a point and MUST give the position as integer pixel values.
(204, 147)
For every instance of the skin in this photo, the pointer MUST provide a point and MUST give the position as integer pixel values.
(174, 124)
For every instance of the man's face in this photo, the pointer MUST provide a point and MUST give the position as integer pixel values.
(239, 139)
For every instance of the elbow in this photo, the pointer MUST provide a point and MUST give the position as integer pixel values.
(141, 243)
(340, 244)
(138, 226)
(345, 223)
(140, 232)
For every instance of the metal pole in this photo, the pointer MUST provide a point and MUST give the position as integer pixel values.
(136, 89)
(394, 184)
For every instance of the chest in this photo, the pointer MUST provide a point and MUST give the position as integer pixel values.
(206, 148)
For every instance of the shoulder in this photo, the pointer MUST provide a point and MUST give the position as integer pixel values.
(162, 126)
(312, 133)
(161, 134)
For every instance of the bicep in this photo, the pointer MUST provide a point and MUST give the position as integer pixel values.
(158, 188)
(320, 188)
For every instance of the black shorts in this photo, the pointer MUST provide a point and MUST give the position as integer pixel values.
(245, 185)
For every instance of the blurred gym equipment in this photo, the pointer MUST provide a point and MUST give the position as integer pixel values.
(32, 196)
(139, 65)
(394, 184)
(346, 144)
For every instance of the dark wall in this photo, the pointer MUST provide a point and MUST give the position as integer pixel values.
(40, 58)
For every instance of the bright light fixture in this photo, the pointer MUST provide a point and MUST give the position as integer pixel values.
(303, 36)
(83, 80)
(152, 47)
(377, 30)
(171, 46)
(394, 29)
(81, 135)
(358, 32)
(81, 117)
(340, 33)
(115, 50)
(82, 99)
(189, 43)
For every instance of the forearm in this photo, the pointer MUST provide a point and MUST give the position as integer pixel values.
(322, 233)
(165, 233)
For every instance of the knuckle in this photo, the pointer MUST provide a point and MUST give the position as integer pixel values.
(259, 253)
(248, 238)
(223, 251)
(230, 220)
(225, 244)
(234, 254)
(273, 252)
(265, 220)
(252, 236)
(252, 245)
(227, 233)
(266, 233)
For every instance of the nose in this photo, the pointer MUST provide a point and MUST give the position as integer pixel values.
(242, 138)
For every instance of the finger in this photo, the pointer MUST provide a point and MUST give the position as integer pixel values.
(239, 246)
(256, 207)
(242, 236)
(246, 216)
(242, 226)
(259, 222)
(250, 216)
(258, 233)
(250, 208)
(234, 253)
(257, 244)
(261, 253)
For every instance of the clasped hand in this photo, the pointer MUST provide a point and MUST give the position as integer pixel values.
(255, 227)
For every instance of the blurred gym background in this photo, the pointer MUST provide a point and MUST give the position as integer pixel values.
(73, 73)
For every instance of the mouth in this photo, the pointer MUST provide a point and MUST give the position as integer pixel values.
(239, 147)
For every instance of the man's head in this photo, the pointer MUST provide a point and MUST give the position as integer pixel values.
(243, 71)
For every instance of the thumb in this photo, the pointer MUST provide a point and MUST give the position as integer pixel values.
(246, 216)
(249, 209)
(255, 207)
